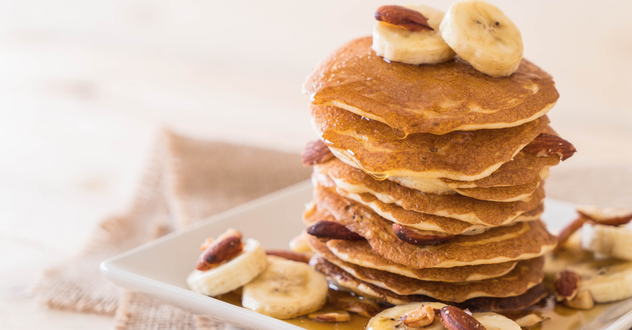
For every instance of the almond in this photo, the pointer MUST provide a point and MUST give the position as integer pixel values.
(566, 233)
(583, 300)
(316, 152)
(547, 144)
(337, 316)
(294, 256)
(409, 19)
(454, 318)
(607, 216)
(227, 246)
(352, 303)
(419, 237)
(331, 230)
(566, 285)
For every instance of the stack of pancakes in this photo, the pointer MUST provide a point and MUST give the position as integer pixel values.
(439, 169)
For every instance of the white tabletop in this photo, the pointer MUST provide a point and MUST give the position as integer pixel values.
(85, 87)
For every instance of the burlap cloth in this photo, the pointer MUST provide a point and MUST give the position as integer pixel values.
(188, 180)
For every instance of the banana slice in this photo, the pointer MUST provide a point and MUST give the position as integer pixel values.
(391, 319)
(483, 36)
(610, 240)
(398, 44)
(232, 274)
(607, 280)
(286, 289)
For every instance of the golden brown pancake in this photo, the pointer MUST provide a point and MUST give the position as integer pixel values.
(458, 207)
(524, 276)
(523, 240)
(459, 155)
(452, 292)
(374, 261)
(436, 99)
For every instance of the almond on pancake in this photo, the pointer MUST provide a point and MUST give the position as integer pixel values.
(523, 240)
(342, 280)
(434, 99)
(459, 155)
(458, 207)
(369, 259)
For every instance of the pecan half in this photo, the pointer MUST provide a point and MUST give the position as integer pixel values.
(337, 316)
(566, 233)
(419, 317)
(607, 216)
(227, 246)
(455, 318)
(419, 237)
(547, 144)
(352, 303)
(566, 285)
(409, 19)
(300, 257)
(316, 152)
(331, 230)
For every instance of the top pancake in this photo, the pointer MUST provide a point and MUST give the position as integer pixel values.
(436, 99)
(376, 149)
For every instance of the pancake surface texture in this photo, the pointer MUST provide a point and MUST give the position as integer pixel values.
(436, 99)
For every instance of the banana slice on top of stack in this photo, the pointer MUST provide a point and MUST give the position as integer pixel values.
(476, 31)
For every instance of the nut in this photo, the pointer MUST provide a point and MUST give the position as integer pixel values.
(454, 318)
(331, 230)
(337, 316)
(316, 152)
(419, 237)
(300, 257)
(419, 317)
(530, 320)
(352, 303)
(206, 243)
(608, 216)
(566, 285)
(409, 19)
(547, 144)
(583, 300)
(227, 246)
(566, 233)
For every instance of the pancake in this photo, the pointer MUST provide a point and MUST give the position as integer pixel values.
(435, 99)
(457, 207)
(458, 155)
(341, 280)
(374, 261)
(522, 240)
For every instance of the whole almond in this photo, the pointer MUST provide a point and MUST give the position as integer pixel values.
(455, 318)
(409, 19)
(332, 230)
(566, 285)
(419, 237)
(316, 152)
(547, 144)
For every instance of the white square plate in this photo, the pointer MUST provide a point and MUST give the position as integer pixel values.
(160, 268)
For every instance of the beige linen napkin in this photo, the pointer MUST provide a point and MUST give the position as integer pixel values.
(189, 180)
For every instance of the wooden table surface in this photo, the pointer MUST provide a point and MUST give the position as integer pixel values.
(86, 85)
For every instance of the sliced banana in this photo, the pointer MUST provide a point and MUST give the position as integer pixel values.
(607, 280)
(391, 319)
(483, 36)
(232, 274)
(412, 47)
(286, 289)
(614, 241)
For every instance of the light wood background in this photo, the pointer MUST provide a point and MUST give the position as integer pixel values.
(86, 85)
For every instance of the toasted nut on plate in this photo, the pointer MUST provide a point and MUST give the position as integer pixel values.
(419, 317)
(332, 230)
(352, 303)
(206, 243)
(531, 320)
(337, 316)
(300, 257)
(227, 246)
(547, 144)
(566, 233)
(566, 285)
(455, 318)
(409, 19)
(419, 237)
(583, 300)
(607, 216)
(316, 152)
